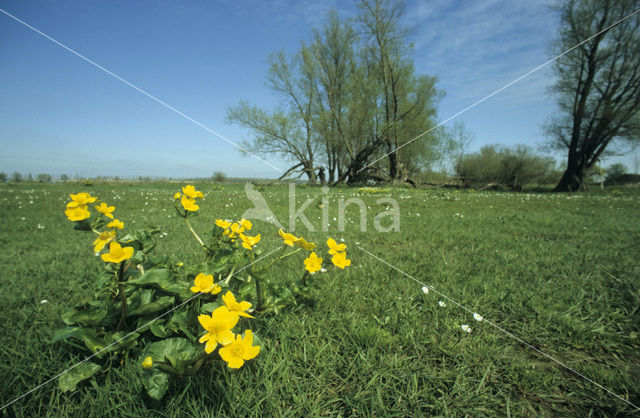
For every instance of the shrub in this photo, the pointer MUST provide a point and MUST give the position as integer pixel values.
(219, 177)
(512, 167)
(614, 171)
(44, 178)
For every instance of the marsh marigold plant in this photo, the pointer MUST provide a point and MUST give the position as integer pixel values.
(178, 317)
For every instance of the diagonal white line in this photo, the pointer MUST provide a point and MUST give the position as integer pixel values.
(499, 90)
(149, 95)
(133, 332)
(499, 328)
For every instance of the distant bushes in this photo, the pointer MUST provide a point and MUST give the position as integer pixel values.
(219, 177)
(615, 172)
(617, 175)
(44, 178)
(511, 167)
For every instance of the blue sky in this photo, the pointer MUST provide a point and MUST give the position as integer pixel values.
(59, 114)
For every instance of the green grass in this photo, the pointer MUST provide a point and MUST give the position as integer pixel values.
(559, 271)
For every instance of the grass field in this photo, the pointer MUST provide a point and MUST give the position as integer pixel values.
(559, 271)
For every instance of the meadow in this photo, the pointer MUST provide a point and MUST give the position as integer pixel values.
(560, 271)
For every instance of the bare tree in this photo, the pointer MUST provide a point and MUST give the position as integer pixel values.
(598, 85)
(286, 132)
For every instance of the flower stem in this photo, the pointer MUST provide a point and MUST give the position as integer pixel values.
(259, 292)
(304, 278)
(123, 313)
(194, 233)
(281, 257)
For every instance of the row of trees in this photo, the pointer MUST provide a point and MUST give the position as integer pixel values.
(349, 97)
(18, 177)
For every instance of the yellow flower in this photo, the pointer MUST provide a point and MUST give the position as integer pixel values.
(248, 242)
(177, 196)
(147, 363)
(334, 247)
(235, 307)
(236, 228)
(340, 260)
(313, 263)
(105, 210)
(117, 254)
(116, 224)
(304, 244)
(288, 238)
(204, 284)
(189, 204)
(80, 199)
(240, 350)
(246, 224)
(223, 224)
(191, 192)
(103, 239)
(77, 213)
(218, 327)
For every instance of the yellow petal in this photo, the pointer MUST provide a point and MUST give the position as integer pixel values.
(229, 299)
(205, 321)
(243, 306)
(251, 352)
(210, 346)
(232, 361)
(225, 337)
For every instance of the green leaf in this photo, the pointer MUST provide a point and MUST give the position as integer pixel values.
(156, 382)
(178, 351)
(159, 330)
(64, 333)
(68, 380)
(98, 345)
(162, 279)
(246, 290)
(83, 225)
(179, 321)
(215, 267)
(105, 278)
(124, 339)
(138, 257)
(207, 308)
(193, 369)
(88, 317)
(155, 306)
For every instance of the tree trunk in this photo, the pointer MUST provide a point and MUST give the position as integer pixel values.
(572, 180)
(393, 165)
(311, 174)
